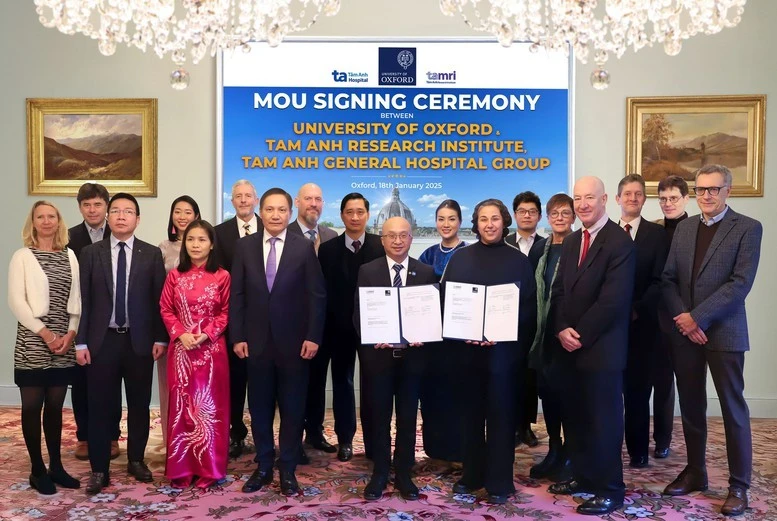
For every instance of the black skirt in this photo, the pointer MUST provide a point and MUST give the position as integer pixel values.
(52, 377)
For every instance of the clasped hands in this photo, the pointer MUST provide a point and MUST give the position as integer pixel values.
(58, 345)
(688, 327)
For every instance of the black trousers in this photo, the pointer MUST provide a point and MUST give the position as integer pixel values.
(79, 396)
(527, 402)
(116, 361)
(663, 393)
(238, 381)
(272, 380)
(391, 380)
(550, 395)
(727, 370)
(340, 350)
(592, 410)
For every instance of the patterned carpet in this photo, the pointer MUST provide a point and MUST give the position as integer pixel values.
(332, 490)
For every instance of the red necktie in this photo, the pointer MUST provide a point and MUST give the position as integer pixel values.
(586, 244)
(628, 229)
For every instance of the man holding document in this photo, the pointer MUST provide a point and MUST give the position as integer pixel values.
(392, 366)
(484, 284)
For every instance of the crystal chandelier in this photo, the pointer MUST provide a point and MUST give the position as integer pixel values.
(601, 28)
(183, 29)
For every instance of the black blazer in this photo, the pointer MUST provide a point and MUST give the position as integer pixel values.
(652, 249)
(79, 237)
(341, 270)
(226, 237)
(376, 274)
(536, 250)
(595, 299)
(285, 317)
(146, 278)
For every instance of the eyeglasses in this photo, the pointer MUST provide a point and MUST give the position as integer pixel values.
(129, 212)
(712, 190)
(566, 214)
(673, 199)
(393, 236)
(523, 212)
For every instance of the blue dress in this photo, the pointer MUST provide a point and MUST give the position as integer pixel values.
(437, 256)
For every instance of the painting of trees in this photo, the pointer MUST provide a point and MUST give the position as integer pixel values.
(658, 130)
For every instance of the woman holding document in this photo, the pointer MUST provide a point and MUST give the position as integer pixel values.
(491, 366)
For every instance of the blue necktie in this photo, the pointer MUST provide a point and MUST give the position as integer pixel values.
(121, 287)
(272, 264)
(312, 235)
(397, 277)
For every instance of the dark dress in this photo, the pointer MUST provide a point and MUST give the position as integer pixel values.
(489, 372)
(443, 386)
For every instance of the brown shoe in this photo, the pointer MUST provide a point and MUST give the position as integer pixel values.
(82, 450)
(688, 481)
(115, 449)
(736, 502)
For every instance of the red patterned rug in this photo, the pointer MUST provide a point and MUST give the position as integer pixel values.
(332, 490)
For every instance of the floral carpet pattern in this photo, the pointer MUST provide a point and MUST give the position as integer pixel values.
(331, 490)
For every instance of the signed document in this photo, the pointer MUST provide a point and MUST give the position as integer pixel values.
(500, 323)
(420, 313)
(464, 311)
(379, 315)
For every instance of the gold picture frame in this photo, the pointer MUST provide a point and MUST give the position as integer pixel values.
(74, 140)
(678, 135)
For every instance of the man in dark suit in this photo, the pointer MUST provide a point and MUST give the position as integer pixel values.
(591, 311)
(120, 335)
(245, 222)
(710, 270)
(309, 203)
(527, 209)
(392, 371)
(93, 204)
(651, 244)
(272, 273)
(340, 260)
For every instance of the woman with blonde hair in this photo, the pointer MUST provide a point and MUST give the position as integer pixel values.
(44, 295)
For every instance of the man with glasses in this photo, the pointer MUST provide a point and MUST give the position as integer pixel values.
(710, 270)
(392, 371)
(527, 209)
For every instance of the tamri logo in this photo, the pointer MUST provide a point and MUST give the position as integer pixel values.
(351, 77)
(397, 66)
(441, 77)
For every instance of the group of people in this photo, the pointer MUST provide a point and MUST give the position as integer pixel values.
(267, 303)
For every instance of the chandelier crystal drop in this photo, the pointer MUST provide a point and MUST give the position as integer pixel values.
(183, 29)
(597, 28)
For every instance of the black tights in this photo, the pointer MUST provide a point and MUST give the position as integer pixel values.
(33, 400)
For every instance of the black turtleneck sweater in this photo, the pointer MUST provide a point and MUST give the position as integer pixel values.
(670, 225)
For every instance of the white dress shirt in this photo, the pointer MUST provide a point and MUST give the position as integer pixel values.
(593, 231)
(402, 272)
(278, 248)
(634, 226)
(254, 225)
(114, 260)
(525, 243)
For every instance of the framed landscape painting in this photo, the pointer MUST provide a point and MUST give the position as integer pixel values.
(678, 135)
(109, 141)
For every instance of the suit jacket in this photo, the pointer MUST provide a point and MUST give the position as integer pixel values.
(717, 300)
(340, 268)
(376, 274)
(80, 239)
(146, 279)
(652, 248)
(227, 235)
(285, 317)
(324, 232)
(536, 250)
(595, 298)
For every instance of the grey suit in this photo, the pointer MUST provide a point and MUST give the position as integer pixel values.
(717, 303)
(324, 233)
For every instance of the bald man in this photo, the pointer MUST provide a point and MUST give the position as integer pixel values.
(392, 372)
(310, 203)
(591, 303)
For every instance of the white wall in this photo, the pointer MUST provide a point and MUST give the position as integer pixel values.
(39, 62)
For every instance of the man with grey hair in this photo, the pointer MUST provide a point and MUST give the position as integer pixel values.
(710, 270)
(245, 222)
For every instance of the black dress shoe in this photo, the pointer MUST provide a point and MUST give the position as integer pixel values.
(303, 457)
(598, 505)
(97, 481)
(460, 487)
(43, 484)
(289, 485)
(63, 479)
(258, 479)
(374, 489)
(236, 448)
(736, 502)
(321, 444)
(407, 489)
(662, 452)
(345, 452)
(140, 470)
(562, 471)
(529, 438)
(543, 469)
(688, 481)
(639, 462)
(565, 488)
(498, 499)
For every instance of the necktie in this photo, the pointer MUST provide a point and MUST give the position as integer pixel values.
(121, 287)
(272, 267)
(397, 279)
(628, 229)
(586, 244)
(356, 246)
(247, 228)
(312, 235)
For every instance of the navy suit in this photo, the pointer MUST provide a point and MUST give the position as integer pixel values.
(275, 324)
(116, 356)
